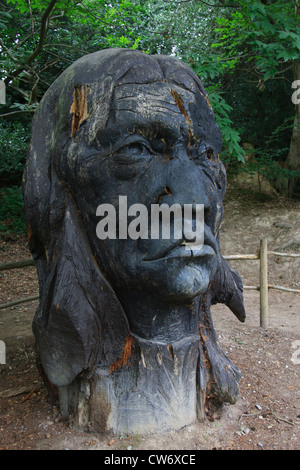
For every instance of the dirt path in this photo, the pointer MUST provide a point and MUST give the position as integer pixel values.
(267, 414)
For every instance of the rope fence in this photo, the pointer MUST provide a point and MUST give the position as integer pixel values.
(263, 286)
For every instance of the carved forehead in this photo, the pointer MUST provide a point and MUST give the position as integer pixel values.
(151, 99)
(84, 94)
(158, 108)
(151, 106)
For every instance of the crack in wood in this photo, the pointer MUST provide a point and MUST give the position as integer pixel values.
(79, 107)
(128, 352)
(179, 103)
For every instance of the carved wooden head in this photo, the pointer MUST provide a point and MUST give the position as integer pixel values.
(120, 123)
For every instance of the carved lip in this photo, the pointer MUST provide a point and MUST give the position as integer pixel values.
(179, 250)
(190, 252)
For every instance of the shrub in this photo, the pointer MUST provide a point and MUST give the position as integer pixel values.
(12, 218)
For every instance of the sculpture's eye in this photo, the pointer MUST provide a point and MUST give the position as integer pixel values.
(200, 153)
(134, 150)
(209, 153)
(137, 148)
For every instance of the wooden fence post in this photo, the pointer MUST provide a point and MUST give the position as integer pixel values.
(264, 304)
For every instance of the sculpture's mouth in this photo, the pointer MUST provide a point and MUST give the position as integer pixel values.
(188, 251)
(183, 249)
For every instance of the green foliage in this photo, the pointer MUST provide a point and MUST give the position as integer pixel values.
(25, 6)
(264, 35)
(12, 219)
(13, 151)
(114, 24)
(231, 137)
(266, 161)
(244, 53)
(4, 17)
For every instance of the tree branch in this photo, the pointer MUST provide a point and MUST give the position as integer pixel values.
(19, 44)
(38, 49)
(17, 112)
(32, 21)
(210, 5)
(18, 90)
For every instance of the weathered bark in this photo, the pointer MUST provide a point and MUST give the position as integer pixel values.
(154, 391)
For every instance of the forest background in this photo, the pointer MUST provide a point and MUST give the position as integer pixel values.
(247, 54)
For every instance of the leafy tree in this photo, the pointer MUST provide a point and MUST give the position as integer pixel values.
(245, 52)
(262, 38)
(43, 37)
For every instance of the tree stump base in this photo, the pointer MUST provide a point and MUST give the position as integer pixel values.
(152, 390)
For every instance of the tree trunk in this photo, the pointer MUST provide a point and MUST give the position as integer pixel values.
(293, 159)
(284, 184)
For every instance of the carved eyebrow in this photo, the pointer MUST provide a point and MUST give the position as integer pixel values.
(110, 139)
(159, 127)
(167, 125)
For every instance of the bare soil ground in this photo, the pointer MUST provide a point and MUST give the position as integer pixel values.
(267, 414)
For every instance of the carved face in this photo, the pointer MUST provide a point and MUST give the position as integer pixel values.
(160, 145)
(117, 123)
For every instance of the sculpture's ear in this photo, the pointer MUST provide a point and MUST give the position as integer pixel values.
(227, 288)
(78, 312)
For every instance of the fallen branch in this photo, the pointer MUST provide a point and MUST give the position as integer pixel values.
(14, 392)
(20, 301)
(249, 414)
(246, 415)
(28, 396)
(17, 264)
(283, 419)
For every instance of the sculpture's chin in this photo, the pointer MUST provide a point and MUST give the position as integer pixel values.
(180, 280)
(188, 284)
